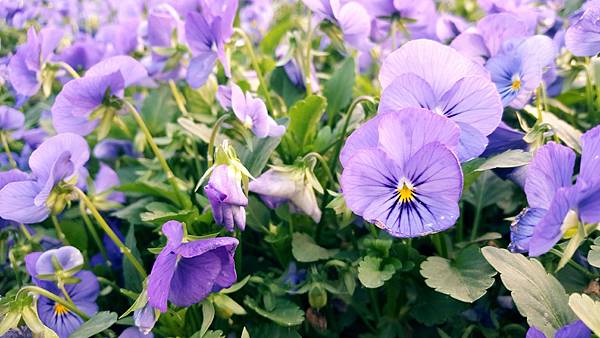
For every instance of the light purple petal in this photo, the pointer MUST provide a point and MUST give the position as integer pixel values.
(534, 333)
(43, 159)
(17, 203)
(550, 169)
(365, 137)
(471, 45)
(497, 28)
(68, 257)
(406, 90)
(194, 278)
(198, 33)
(11, 119)
(472, 142)
(590, 155)
(133, 71)
(159, 280)
(583, 37)
(200, 67)
(355, 24)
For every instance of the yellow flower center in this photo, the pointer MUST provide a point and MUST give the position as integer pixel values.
(405, 192)
(516, 84)
(60, 309)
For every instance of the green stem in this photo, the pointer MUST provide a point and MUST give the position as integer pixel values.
(13, 264)
(476, 221)
(61, 286)
(575, 265)
(307, 60)
(255, 65)
(373, 230)
(25, 232)
(93, 232)
(213, 137)
(393, 33)
(179, 99)
(326, 168)
(150, 140)
(108, 230)
(460, 224)
(11, 160)
(69, 69)
(589, 90)
(375, 304)
(59, 233)
(45, 293)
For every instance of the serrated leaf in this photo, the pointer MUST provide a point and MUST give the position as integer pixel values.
(466, 278)
(371, 274)
(306, 250)
(587, 310)
(508, 159)
(538, 295)
(98, 323)
(338, 89)
(283, 312)
(594, 253)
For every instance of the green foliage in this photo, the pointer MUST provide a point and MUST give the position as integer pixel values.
(587, 309)
(338, 89)
(306, 250)
(97, 324)
(372, 273)
(304, 119)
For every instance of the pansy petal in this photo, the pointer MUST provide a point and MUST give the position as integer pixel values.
(68, 257)
(576, 329)
(534, 333)
(548, 232)
(198, 33)
(132, 71)
(472, 143)
(87, 290)
(429, 60)
(590, 155)
(406, 90)
(17, 203)
(404, 133)
(194, 278)
(11, 119)
(550, 169)
(365, 137)
(200, 67)
(583, 37)
(521, 229)
(355, 24)
(498, 28)
(43, 159)
(173, 230)
(471, 45)
(202, 246)
(588, 200)
(159, 280)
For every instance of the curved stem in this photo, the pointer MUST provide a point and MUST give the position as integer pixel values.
(213, 136)
(338, 149)
(45, 293)
(69, 69)
(324, 164)
(59, 233)
(124, 249)
(11, 160)
(163, 163)
(179, 99)
(574, 264)
(93, 232)
(254, 61)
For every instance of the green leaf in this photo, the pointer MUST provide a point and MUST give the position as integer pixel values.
(306, 250)
(565, 131)
(466, 278)
(433, 308)
(304, 120)
(508, 159)
(283, 311)
(271, 40)
(256, 159)
(257, 214)
(197, 129)
(470, 172)
(587, 310)
(488, 190)
(273, 331)
(158, 109)
(132, 279)
(372, 274)
(594, 253)
(76, 233)
(538, 295)
(158, 213)
(283, 86)
(98, 323)
(338, 89)
(150, 188)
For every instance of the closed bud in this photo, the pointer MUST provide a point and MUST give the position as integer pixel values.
(317, 296)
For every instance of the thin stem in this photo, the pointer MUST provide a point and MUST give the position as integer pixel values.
(372, 230)
(11, 160)
(61, 286)
(93, 232)
(476, 221)
(59, 233)
(307, 60)
(13, 264)
(575, 265)
(124, 249)
(375, 304)
(179, 99)
(25, 232)
(324, 164)
(589, 90)
(45, 293)
(393, 33)
(213, 136)
(254, 61)
(163, 163)
(69, 69)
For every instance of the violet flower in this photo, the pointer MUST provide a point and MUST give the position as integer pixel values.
(26, 67)
(55, 164)
(576, 329)
(11, 120)
(583, 36)
(83, 103)
(352, 19)
(82, 54)
(186, 272)
(401, 174)
(226, 197)
(206, 34)
(256, 16)
(253, 114)
(112, 149)
(83, 293)
(104, 196)
(425, 73)
(556, 204)
(418, 17)
(134, 332)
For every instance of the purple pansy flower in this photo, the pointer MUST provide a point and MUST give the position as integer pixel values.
(74, 106)
(83, 294)
(256, 16)
(82, 54)
(401, 174)
(112, 149)
(419, 18)
(351, 17)
(134, 332)
(113, 252)
(505, 138)
(576, 329)
(187, 272)
(11, 120)
(27, 65)
(583, 36)
(253, 114)
(206, 33)
(560, 204)
(104, 184)
(145, 318)
(518, 69)
(425, 73)
(226, 197)
(59, 159)
(119, 38)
